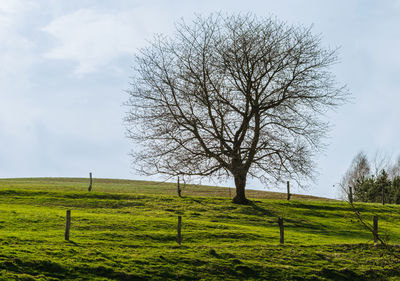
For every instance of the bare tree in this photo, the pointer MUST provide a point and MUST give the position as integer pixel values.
(232, 96)
(358, 171)
(394, 169)
(381, 161)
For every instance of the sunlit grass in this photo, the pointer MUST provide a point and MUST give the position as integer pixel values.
(126, 230)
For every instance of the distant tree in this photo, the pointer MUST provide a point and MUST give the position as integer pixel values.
(355, 176)
(381, 161)
(395, 190)
(381, 189)
(394, 169)
(363, 189)
(236, 96)
(360, 184)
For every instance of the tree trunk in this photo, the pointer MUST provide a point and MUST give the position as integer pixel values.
(240, 183)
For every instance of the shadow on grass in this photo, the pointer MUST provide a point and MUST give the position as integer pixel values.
(346, 274)
(258, 210)
(72, 243)
(55, 270)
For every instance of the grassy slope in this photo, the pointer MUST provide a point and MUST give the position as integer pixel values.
(126, 230)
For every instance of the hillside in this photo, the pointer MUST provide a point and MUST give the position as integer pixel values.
(126, 230)
(142, 187)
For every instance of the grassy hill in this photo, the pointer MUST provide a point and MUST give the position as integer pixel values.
(142, 187)
(126, 230)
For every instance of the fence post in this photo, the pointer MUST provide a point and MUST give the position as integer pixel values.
(282, 238)
(68, 225)
(178, 186)
(288, 190)
(350, 194)
(179, 236)
(375, 230)
(383, 195)
(90, 182)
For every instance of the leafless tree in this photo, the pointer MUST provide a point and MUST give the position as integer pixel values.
(358, 171)
(232, 95)
(394, 169)
(381, 161)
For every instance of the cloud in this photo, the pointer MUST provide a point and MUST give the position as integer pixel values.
(16, 53)
(94, 39)
(13, 8)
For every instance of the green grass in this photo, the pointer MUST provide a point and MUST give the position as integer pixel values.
(126, 230)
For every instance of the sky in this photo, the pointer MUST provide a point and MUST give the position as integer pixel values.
(65, 66)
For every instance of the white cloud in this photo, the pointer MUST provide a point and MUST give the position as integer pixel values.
(15, 49)
(94, 39)
(14, 7)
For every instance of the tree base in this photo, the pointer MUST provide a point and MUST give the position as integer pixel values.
(241, 201)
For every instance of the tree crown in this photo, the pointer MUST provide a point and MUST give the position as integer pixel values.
(230, 95)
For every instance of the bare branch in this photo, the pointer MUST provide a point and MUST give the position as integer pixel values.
(232, 95)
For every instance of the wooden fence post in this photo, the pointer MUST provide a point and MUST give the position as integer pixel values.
(68, 225)
(375, 230)
(179, 236)
(179, 188)
(90, 182)
(383, 195)
(282, 238)
(350, 194)
(288, 190)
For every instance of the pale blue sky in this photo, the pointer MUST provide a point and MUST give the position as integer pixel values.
(64, 66)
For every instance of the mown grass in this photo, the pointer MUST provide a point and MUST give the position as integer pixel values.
(126, 230)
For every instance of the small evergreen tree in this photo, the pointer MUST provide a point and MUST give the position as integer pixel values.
(382, 188)
(359, 184)
(362, 189)
(395, 190)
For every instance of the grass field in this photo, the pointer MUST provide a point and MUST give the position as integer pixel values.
(126, 230)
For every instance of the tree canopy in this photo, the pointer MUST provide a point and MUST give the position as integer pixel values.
(232, 96)
(376, 182)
